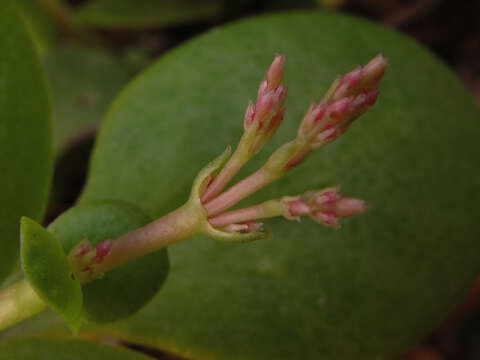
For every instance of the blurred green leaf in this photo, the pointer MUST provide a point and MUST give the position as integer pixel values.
(37, 349)
(83, 83)
(48, 271)
(40, 26)
(122, 291)
(146, 13)
(25, 154)
(367, 291)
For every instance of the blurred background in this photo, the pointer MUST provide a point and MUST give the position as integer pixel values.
(92, 48)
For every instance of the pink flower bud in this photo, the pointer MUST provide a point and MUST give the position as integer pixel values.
(276, 121)
(327, 206)
(338, 110)
(102, 250)
(297, 207)
(348, 83)
(318, 112)
(373, 71)
(280, 95)
(82, 249)
(327, 218)
(262, 89)
(247, 227)
(262, 107)
(249, 116)
(275, 72)
(328, 196)
(349, 207)
(330, 133)
(254, 226)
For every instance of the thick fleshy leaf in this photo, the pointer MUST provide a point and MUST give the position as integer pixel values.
(146, 13)
(366, 291)
(49, 273)
(83, 83)
(40, 26)
(41, 349)
(122, 291)
(25, 154)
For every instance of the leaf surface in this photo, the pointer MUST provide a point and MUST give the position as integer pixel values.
(36, 349)
(41, 28)
(48, 271)
(83, 83)
(367, 291)
(146, 13)
(25, 153)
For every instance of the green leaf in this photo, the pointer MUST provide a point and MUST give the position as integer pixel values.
(40, 26)
(48, 271)
(83, 83)
(146, 13)
(37, 349)
(25, 154)
(369, 290)
(124, 290)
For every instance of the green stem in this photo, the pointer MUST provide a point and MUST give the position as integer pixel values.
(17, 303)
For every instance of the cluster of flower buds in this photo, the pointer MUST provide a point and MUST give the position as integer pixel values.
(325, 206)
(349, 96)
(206, 211)
(263, 119)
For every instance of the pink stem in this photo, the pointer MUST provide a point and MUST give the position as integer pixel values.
(241, 215)
(226, 174)
(237, 192)
(175, 226)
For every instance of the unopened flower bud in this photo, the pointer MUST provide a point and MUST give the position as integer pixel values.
(349, 206)
(275, 72)
(325, 206)
(102, 250)
(373, 71)
(249, 115)
(247, 227)
(294, 207)
(262, 107)
(327, 218)
(348, 83)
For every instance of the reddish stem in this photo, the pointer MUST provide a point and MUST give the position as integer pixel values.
(239, 191)
(240, 216)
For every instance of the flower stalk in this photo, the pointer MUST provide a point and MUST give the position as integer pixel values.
(206, 213)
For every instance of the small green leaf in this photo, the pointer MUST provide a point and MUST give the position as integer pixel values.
(124, 290)
(83, 84)
(48, 271)
(41, 349)
(146, 13)
(25, 139)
